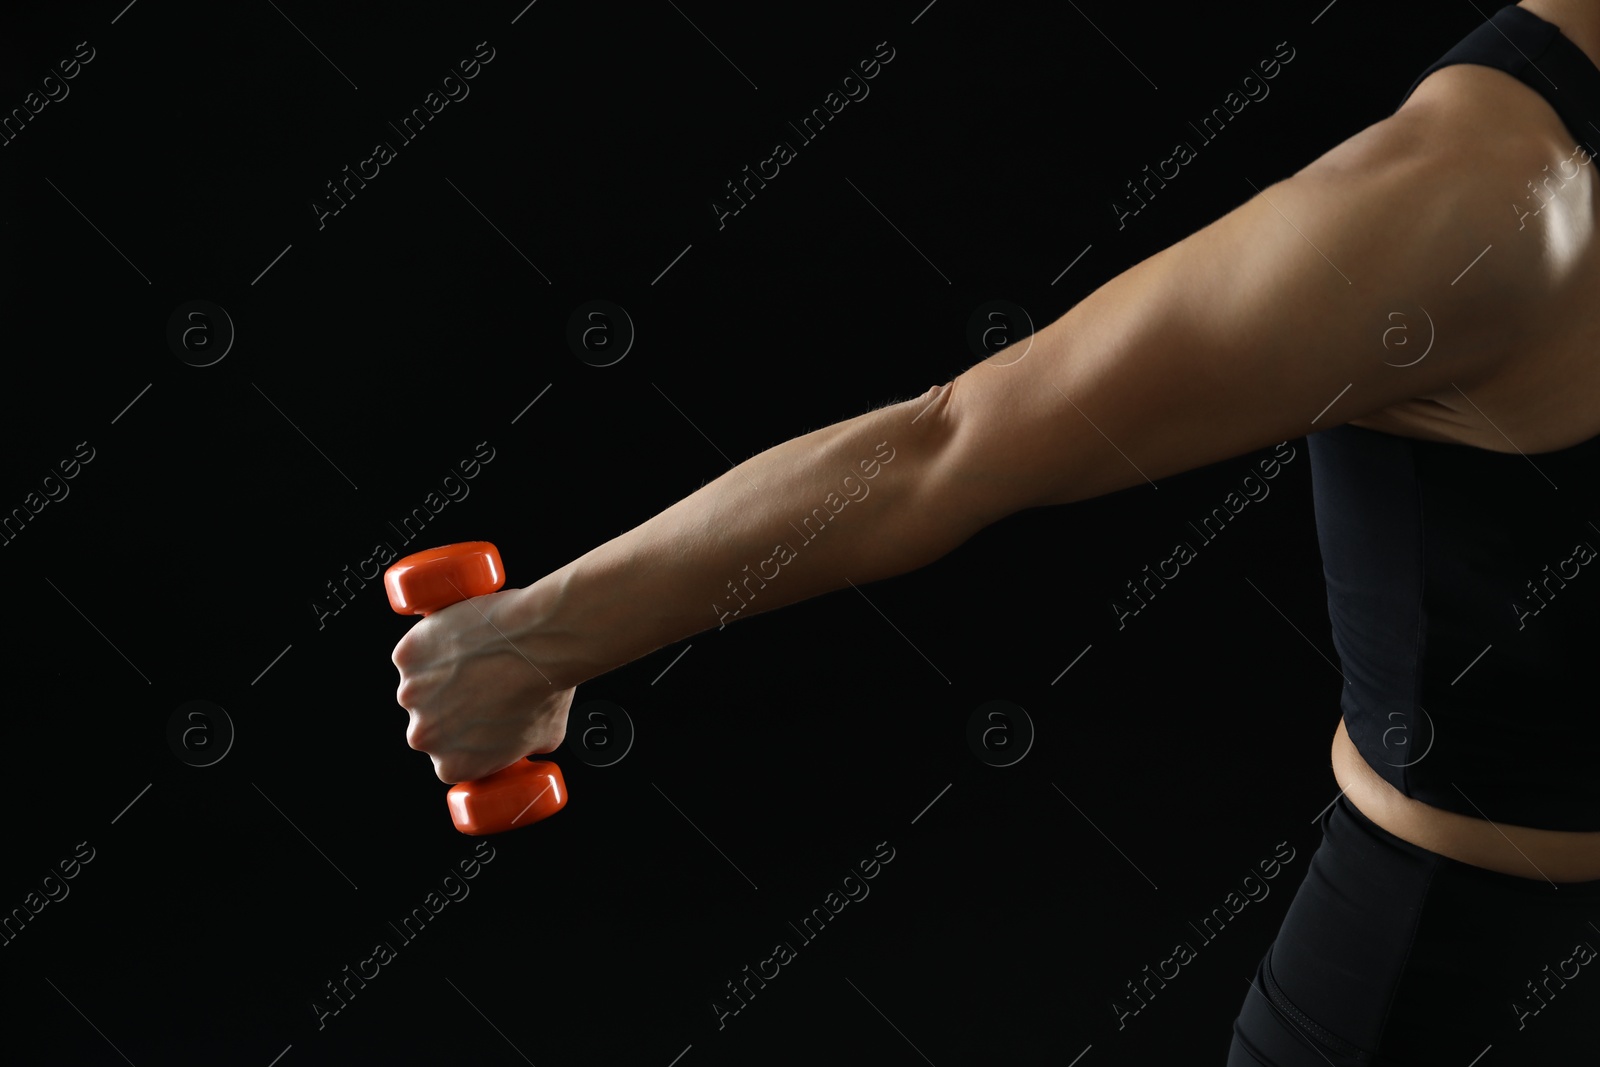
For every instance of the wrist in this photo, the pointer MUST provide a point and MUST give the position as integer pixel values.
(544, 634)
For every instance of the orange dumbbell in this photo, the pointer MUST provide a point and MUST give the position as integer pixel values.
(528, 790)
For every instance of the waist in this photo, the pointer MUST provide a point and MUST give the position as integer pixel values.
(1523, 851)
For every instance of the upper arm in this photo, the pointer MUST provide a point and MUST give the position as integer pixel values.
(1283, 317)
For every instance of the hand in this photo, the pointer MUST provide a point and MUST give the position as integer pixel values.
(478, 699)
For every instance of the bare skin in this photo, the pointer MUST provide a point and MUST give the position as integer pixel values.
(1228, 341)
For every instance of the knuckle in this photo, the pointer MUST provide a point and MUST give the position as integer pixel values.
(419, 736)
(410, 693)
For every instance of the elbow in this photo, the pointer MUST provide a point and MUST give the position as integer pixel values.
(968, 485)
(933, 405)
(1002, 451)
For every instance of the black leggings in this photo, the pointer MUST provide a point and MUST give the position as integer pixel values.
(1393, 955)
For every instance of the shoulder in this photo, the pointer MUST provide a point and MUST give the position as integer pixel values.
(1279, 318)
(1475, 162)
(1473, 204)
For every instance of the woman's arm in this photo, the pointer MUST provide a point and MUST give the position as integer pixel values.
(1276, 320)
(1270, 323)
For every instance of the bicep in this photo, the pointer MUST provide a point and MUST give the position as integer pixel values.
(1277, 320)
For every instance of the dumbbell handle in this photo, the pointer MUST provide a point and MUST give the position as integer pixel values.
(528, 790)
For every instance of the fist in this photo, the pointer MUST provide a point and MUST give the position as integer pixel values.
(477, 697)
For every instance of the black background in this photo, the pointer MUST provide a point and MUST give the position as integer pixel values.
(407, 329)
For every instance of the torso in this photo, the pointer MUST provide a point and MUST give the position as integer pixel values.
(1541, 400)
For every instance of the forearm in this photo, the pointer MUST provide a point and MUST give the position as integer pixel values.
(853, 502)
